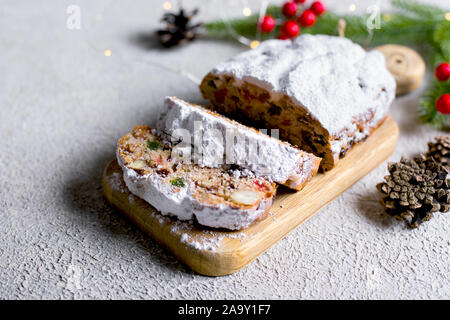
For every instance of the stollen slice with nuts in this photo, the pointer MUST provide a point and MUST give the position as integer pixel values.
(222, 197)
(218, 140)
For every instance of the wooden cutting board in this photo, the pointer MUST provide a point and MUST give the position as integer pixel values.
(216, 253)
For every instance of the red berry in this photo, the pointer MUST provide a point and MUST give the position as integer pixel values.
(290, 29)
(443, 104)
(299, 1)
(289, 9)
(442, 71)
(267, 24)
(318, 7)
(307, 18)
(282, 37)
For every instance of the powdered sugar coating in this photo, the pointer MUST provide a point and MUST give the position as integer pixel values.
(263, 155)
(181, 203)
(210, 243)
(334, 79)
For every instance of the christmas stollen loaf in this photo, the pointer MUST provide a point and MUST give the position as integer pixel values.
(215, 197)
(218, 140)
(324, 93)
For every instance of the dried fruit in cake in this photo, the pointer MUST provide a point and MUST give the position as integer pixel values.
(324, 93)
(215, 197)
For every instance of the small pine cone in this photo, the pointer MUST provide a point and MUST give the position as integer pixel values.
(415, 189)
(440, 150)
(178, 28)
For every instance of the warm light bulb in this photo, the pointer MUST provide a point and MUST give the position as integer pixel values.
(167, 5)
(247, 12)
(254, 44)
(352, 7)
(447, 16)
(107, 53)
(386, 17)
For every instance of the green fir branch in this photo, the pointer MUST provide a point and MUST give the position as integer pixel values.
(421, 10)
(441, 38)
(427, 107)
(397, 28)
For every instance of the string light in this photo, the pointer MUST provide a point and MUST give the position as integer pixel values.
(447, 16)
(254, 44)
(107, 53)
(352, 7)
(246, 12)
(167, 5)
(386, 17)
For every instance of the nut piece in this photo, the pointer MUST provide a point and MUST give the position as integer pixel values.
(246, 197)
(138, 164)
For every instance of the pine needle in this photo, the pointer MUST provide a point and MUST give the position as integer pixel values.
(427, 107)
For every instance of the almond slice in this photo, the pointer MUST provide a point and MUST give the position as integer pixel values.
(138, 164)
(246, 197)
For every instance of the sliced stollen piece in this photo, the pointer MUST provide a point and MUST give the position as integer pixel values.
(324, 93)
(215, 197)
(218, 140)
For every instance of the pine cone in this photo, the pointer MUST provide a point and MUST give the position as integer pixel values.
(440, 150)
(178, 28)
(414, 189)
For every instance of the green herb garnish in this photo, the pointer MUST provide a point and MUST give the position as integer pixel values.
(177, 182)
(153, 145)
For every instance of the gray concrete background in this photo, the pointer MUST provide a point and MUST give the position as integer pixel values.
(64, 104)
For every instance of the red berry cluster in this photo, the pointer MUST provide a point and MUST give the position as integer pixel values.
(291, 27)
(442, 73)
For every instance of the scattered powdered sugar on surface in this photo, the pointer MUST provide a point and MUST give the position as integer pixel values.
(115, 180)
(240, 236)
(161, 218)
(181, 226)
(206, 239)
(202, 243)
(184, 238)
(158, 216)
(272, 215)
